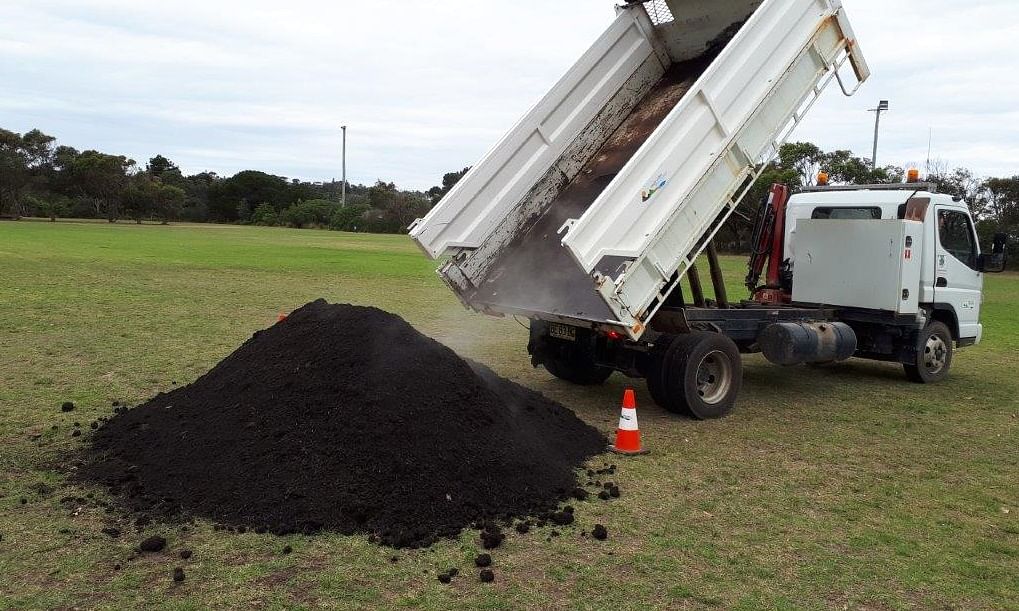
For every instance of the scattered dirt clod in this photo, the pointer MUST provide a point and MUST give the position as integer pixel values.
(152, 544)
(486, 576)
(483, 560)
(178, 574)
(562, 518)
(67, 406)
(491, 540)
(600, 532)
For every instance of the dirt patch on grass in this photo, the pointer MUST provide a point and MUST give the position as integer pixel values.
(347, 419)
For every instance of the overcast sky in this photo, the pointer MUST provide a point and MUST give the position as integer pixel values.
(428, 86)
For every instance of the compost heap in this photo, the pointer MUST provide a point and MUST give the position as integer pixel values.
(344, 418)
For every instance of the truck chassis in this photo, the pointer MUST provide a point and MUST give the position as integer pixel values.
(691, 355)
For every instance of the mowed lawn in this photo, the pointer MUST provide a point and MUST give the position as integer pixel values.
(841, 487)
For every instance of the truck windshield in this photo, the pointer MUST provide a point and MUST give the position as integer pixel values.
(847, 214)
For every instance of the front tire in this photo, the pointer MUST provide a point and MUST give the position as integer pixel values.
(933, 355)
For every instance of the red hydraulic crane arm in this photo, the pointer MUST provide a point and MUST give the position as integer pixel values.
(769, 246)
(779, 198)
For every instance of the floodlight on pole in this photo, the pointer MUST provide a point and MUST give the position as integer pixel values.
(343, 185)
(881, 107)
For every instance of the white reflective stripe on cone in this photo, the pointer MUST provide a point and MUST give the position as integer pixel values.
(628, 420)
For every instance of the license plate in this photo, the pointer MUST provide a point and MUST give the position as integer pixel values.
(565, 332)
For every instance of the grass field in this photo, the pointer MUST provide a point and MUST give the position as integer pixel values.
(842, 487)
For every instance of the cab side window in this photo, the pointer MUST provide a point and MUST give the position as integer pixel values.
(846, 214)
(956, 233)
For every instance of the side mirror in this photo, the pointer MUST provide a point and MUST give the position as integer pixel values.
(995, 262)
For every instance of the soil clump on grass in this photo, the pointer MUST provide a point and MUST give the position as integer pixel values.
(347, 419)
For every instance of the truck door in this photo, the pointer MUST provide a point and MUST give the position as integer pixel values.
(957, 283)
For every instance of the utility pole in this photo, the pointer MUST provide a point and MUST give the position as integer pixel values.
(343, 187)
(881, 107)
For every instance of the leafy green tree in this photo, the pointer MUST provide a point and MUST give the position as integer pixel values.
(962, 183)
(168, 202)
(298, 216)
(392, 210)
(138, 198)
(266, 215)
(845, 168)
(435, 194)
(310, 213)
(102, 178)
(25, 160)
(55, 206)
(235, 198)
(158, 166)
(349, 218)
(14, 175)
(1003, 200)
(804, 158)
(196, 196)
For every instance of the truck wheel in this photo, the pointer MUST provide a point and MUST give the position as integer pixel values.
(705, 374)
(581, 374)
(933, 355)
(657, 385)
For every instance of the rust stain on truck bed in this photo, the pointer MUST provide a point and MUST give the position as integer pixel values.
(535, 273)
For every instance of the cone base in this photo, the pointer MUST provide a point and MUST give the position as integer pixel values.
(616, 450)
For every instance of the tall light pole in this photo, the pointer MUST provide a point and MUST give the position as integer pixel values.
(343, 187)
(881, 107)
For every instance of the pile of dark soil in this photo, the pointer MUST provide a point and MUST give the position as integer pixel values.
(347, 419)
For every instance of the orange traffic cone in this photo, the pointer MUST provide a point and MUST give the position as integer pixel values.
(628, 433)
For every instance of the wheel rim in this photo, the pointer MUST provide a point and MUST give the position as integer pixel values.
(935, 355)
(714, 377)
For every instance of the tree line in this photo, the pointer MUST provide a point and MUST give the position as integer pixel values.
(40, 178)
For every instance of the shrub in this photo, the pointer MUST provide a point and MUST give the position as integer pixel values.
(349, 218)
(265, 215)
(310, 213)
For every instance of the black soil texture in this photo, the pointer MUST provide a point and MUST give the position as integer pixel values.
(347, 419)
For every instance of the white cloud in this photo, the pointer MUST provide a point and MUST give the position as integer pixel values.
(427, 87)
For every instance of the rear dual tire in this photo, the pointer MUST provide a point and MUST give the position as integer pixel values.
(696, 374)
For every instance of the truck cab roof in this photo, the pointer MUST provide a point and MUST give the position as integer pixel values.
(888, 200)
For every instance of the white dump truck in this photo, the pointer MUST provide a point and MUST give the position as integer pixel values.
(589, 216)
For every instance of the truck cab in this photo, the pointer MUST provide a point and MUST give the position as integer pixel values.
(951, 266)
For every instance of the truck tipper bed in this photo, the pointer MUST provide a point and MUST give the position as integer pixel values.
(595, 205)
